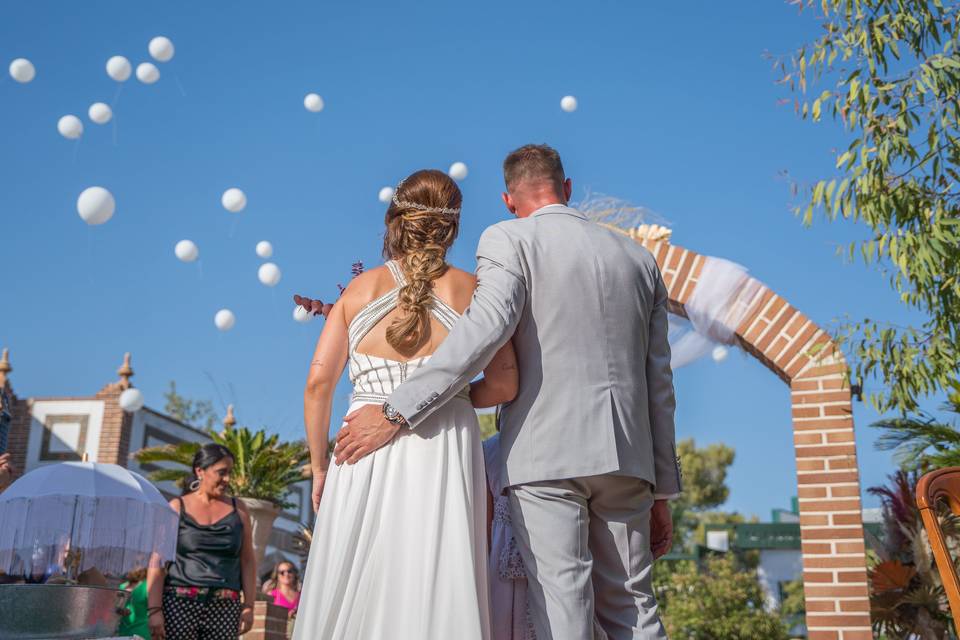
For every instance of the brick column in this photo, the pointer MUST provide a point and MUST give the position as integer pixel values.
(831, 526)
(114, 444)
(269, 622)
(801, 354)
(19, 432)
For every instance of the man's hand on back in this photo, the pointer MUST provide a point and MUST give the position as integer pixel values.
(661, 528)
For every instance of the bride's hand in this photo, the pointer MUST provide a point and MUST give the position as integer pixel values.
(319, 477)
(313, 307)
(366, 430)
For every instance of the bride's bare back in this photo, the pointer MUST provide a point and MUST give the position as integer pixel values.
(455, 288)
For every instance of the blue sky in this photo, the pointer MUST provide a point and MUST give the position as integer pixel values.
(678, 113)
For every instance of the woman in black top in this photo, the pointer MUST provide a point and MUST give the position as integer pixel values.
(200, 596)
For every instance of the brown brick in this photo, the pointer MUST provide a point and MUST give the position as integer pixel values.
(815, 577)
(853, 546)
(830, 505)
(805, 385)
(824, 423)
(811, 492)
(838, 382)
(834, 563)
(824, 370)
(837, 409)
(805, 412)
(835, 591)
(808, 438)
(843, 463)
(857, 634)
(852, 576)
(860, 604)
(830, 477)
(832, 533)
(808, 464)
(815, 520)
(844, 492)
(815, 548)
(817, 398)
(822, 605)
(823, 634)
(838, 620)
(840, 436)
(827, 451)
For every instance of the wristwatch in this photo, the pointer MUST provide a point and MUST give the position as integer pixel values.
(392, 415)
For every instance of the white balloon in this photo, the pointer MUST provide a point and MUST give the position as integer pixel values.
(233, 200)
(300, 314)
(131, 400)
(187, 251)
(458, 171)
(269, 274)
(720, 353)
(224, 319)
(119, 68)
(568, 104)
(161, 49)
(100, 112)
(386, 194)
(147, 72)
(96, 205)
(313, 102)
(264, 249)
(70, 126)
(22, 70)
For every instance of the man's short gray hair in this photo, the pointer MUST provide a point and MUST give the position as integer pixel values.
(534, 162)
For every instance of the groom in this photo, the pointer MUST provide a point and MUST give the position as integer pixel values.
(589, 441)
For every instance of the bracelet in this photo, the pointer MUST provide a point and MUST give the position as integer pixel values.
(246, 606)
(153, 610)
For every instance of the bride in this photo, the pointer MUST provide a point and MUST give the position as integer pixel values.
(399, 547)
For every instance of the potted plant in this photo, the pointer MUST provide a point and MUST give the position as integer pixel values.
(264, 469)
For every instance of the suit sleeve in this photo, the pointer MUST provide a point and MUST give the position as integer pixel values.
(485, 326)
(661, 401)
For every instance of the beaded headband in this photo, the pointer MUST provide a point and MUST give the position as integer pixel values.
(421, 207)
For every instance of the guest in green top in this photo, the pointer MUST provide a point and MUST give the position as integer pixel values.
(137, 621)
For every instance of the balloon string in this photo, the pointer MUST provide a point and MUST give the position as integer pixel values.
(116, 96)
(76, 150)
(90, 254)
(200, 268)
(176, 79)
(233, 227)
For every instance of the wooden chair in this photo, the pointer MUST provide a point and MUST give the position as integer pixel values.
(942, 484)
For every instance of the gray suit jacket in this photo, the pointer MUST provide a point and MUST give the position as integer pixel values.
(587, 310)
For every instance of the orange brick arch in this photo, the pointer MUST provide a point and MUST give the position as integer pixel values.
(828, 480)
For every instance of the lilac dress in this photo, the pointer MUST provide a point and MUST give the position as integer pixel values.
(509, 612)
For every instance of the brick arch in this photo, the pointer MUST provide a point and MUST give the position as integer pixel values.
(801, 354)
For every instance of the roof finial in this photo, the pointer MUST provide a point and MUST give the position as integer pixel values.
(125, 371)
(5, 367)
(229, 421)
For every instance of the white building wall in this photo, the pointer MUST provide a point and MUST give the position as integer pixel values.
(73, 428)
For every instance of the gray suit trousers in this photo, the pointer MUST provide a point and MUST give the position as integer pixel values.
(586, 546)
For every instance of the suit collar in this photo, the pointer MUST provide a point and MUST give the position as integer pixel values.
(557, 208)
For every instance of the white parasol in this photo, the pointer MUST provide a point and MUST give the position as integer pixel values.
(101, 515)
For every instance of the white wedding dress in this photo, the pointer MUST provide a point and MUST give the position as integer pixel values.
(400, 544)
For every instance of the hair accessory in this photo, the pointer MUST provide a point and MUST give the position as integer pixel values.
(421, 207)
